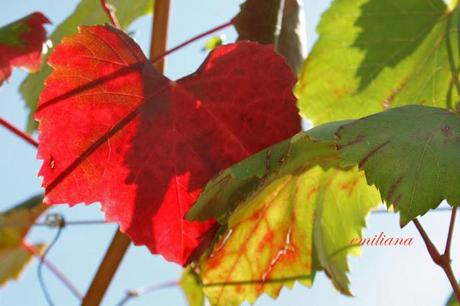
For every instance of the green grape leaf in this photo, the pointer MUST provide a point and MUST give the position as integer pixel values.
(411, 155)
(277, 22)
(88, 12)
(14, 226)
(298, 219)
(13, 261)
(191, 286)
(380, 54)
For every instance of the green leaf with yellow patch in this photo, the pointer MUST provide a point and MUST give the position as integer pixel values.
(297, 216)
(411, 154)
(373, 55)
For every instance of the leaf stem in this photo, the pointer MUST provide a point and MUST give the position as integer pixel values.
(18, 132)
(107, 269)
(58, 273)
(185, 43)
(442, 260)
(109, 10)
(451, 232)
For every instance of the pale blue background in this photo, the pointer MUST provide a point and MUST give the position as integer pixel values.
(381, 277)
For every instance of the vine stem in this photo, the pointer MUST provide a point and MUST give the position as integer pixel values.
(18, 132)
(108, 9)
(58, 273)
(120, 242)
(159, 37)
(107, 269)
(215, 29)
(442, 260)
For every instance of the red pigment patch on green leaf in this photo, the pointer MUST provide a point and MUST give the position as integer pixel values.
(122, 134)
(21, 44)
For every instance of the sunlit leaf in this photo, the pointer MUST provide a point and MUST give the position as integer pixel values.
(299, 219)
(116, 131)
(88, 12)
(372, 55)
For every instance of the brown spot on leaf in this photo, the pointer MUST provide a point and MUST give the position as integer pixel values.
(446, 130)
(393, 187)
(371, 153)
(396, 201)
(349, 186)
(393, 93)
(357, 139)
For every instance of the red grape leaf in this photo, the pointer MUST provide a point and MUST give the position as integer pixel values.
(114, 130)
(21, 44)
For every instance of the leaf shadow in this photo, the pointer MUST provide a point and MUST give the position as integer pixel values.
(390, 31)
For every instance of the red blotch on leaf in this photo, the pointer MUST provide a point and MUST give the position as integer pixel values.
(22, 44)
(122, 134)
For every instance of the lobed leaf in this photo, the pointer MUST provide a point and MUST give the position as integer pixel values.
(21, 44)
(381, 54)
(114, 130)
(411, 155)
(88, 12)
(298, 218)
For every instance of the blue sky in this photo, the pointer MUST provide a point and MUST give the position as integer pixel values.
(389, 276)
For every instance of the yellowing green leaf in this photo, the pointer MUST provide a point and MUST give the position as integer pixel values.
(13, 261)
(372, 55)
(299, 218)
(191, 287)
(410, 153)
(16, 222)
(14, 225)
(88, 12)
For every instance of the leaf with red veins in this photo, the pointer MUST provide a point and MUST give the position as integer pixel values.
(299, 219)
(21, 44)
(114, 130)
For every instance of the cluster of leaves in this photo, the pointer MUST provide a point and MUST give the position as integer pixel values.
(212, 172)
